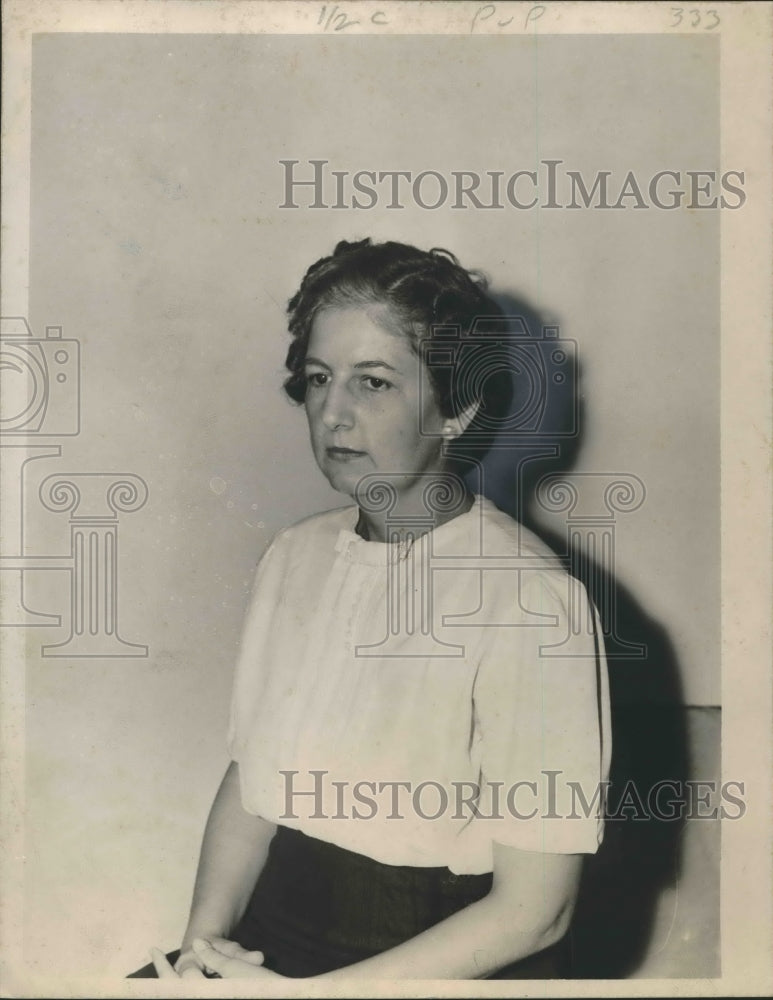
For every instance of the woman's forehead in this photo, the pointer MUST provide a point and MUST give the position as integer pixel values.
(353, 332)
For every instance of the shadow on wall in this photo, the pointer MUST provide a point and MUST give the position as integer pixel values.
(640, 857)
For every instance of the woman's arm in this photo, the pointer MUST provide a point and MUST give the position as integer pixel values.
(233, 853)
(528, 909)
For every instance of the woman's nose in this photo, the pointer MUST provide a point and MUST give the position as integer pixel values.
(337, 410)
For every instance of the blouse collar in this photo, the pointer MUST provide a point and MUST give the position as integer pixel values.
(356, 549)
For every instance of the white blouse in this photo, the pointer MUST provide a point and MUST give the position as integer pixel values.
(416, 702)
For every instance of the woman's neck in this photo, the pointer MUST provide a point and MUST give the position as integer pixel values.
(404, 521)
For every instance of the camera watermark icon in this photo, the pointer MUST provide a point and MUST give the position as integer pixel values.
(40, 401)
(39, 381)
(543, 398)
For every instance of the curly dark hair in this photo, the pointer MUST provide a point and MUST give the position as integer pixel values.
(432, 297)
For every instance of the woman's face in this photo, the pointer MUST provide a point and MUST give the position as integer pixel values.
(369, 401)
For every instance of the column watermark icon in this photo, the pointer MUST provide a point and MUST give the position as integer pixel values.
(591, 502)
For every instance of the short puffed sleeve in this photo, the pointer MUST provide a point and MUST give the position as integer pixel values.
(542, 731)
(254, 655)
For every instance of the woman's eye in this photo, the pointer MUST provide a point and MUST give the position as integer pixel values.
(316, 378)
(376, 384)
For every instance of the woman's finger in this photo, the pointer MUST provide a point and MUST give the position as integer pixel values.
(187, 965)
(230, 948)
(163, 969)
(228, 966)
(192, 972)
(234, 950)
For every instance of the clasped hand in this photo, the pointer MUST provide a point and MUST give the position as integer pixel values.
(226, 958)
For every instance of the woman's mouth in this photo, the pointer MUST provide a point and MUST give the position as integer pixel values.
(338, 454)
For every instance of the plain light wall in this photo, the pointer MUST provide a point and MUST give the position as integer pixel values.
(157, 241)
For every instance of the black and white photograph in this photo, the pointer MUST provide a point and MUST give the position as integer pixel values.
(386, 547)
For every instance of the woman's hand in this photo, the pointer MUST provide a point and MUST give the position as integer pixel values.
(187, 965)
(225, 958)
(230, 961)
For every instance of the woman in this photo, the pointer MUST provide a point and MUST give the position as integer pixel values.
(420, 712)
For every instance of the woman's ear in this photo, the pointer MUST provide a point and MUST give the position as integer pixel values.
(454, 427)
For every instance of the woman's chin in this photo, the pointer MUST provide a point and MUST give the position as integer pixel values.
(343, 481)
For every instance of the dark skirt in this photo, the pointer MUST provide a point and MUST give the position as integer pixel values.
(317, 907)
